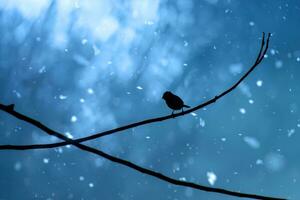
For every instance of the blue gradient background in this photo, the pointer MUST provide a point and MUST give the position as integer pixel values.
(83, 67)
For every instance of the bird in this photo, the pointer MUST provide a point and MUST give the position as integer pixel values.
(173, 101)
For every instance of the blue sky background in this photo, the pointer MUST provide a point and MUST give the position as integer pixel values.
(83, 67)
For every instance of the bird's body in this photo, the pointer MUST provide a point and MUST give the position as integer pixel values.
(174, 102)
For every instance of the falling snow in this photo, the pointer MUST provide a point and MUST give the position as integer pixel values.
(69, 135)
(211, 178)
(84, 41)
(90, 91)
(96, 50)
(46, 160)
(18, 166)
(139, 87)
(259, 162)
(18, 94)
(201, 122)
(251, 23)
(73, 119)
(193, 114)
(259, 83)
(278, 64)
(62, 97)
(291, 132)
(42, 69)
(242, 110)
(252, 142)
(91, 185)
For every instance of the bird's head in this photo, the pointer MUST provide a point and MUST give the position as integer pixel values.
(166, 95)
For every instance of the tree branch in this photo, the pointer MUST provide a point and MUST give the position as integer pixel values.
(10, 110)
(259, 58)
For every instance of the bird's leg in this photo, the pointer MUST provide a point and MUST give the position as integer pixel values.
(173, 113)
(182, 109)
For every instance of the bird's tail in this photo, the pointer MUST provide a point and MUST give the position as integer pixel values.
(186, 106)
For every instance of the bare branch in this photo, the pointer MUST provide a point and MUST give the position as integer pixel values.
(259, 58)
(261, 48)
(10, 110)
(129, 164)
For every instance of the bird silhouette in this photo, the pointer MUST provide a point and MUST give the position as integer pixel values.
(174, 102)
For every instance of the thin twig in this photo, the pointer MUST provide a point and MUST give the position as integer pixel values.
(259, 58)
